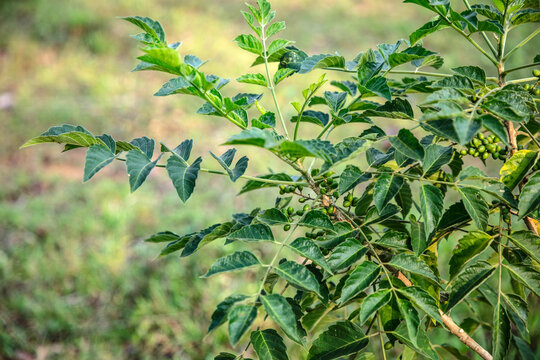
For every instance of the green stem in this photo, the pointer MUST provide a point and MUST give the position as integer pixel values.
(526, 40)
(486, 39)
(522, 67)
(379, 324)
(271, 81)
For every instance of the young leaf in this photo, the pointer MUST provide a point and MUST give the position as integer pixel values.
(240, 319)
(514, 169)
(341, 339)
(467, 281)
(308, 249)
(372, 303)
(249, 43)
(268, 345)
(407, 144)
(431, 204)
(222, 310)
(529, 198)
(361, 277)
(274, 28)
(298, 276)
(138, 167)
(280, 311)
(256, 232)
(235, 261)
(183, 177)
(414, 265)
(468, 247)
(97, 157)
(386, 188)
(256, 79)
(476, 206)
(346, 253)
(225, 161)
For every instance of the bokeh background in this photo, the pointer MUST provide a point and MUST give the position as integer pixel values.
(76, 279)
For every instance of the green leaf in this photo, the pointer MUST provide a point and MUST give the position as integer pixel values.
(282, 74)
(256, 232)
(529, 198)
(97, 157)
(255, 137)
(423, 301)
(150, 26)
(407, 144)
(235, 261)
(410, 315)
(322, 61)
(274, 28)
(435, 157)
(225, 161)
(431, 204)
(514, 169)
(376, 86)
(501, 333)
(341, 339)
(466, 128)
(467, 281)
(386, 188)
(350, 177)
(526, 16)
(144, 144)
(524, 349)
(527, 276)
(277, 45)
(308, 148)
(455, 82)
(393, 240)
(177, 85)
(163, 236)
(222, 310)
(256, 79)
(139, 167)
(346, 253)
(249, 43)
(317, 219)
(299, 276)
(359, 279)
(268, 345)
(468, 248)
(476, 206)
(414, 265)
(281, 312)
(256, 185)
(494, 125)
(183, 177)
(240, 319)
(528, 242)
(427, 29)
(472, 72)
(308, 249)
(273, 216)
(314, 117)
(66, 134)
(372, 303)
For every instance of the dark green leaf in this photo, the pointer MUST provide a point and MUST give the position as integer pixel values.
(138, 167)
(414, 265)
(360, 278)
(299, 276)
(255, 79)
(145, 144)
(255, 137)
(372, 303)
(501, 333)
(183, 177)
(256, 232)
(341, 339)
(97, 157)
(222, 310)
(393, 240)
(249, 43)
(225, 161)
(466, 128)
(476, 206)
(423, 301)
(494, 125)
(350, 177)
(240, 319)
(468, 247)
(407, 144)
(435, 157)
(314, 117)
(255, 185)
(308, 249)
(467, 281)
(273, 216)
(280, 311)
(386, 188)
(235, 261)
(163, 236)
(317, 219)
(268, 345)
(527, 276)
(529, 198)
(322, 61)
(346, 253)
(472, 72)
(308, 148)
(410, 315)
(376, 86)
(431, 204)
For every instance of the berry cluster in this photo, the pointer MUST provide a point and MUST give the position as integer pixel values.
(533, 89)
(481, 146)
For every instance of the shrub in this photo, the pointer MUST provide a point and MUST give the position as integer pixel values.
(371, 207)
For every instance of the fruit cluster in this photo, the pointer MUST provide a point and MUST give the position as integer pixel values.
(481, 146)
(533, 89)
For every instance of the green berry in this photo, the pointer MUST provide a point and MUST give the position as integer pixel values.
(346, 203)
(388, 345)
(496, 139)
(325, 211)
(471, 151)
(536, 72)
(299, 212)
(302, 200)
(331, 210)
(290, 210)
(476, 154)
(485, 155)
(527, 87)
(320, 233)
(328, 174)
(349, 197)
(291, 189)
(536, 92)
(335, 194)
(463, 152)
(306, 207)
(495, 155)
(481, 136)
(314, 172)
(323, 191)
(287, 227)
(485, 141)
(481, 149)
(476, 142)
(330, 181)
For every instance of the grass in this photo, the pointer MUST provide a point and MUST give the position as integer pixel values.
(76, 280)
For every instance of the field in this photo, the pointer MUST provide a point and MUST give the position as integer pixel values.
(76, 279)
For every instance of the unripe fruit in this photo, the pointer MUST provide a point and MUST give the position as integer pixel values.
(463, 152)
(536, 92)
(485, 155)
(526, 87)
(331, 210)
(476, 142)
(536, 72)
(287, 227)
(346, 203)
(481, 136)
(388, 345)
(290, 210)
(481, 149)
(302, 200)
(476, 154)
(305, 208)
(314, 172)
(323, 191)
(495, 155)
(335, 194)
(471, 151)
(328, 174)
(299, 212)
(349, 197)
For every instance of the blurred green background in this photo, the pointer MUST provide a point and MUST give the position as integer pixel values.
(76, 280)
